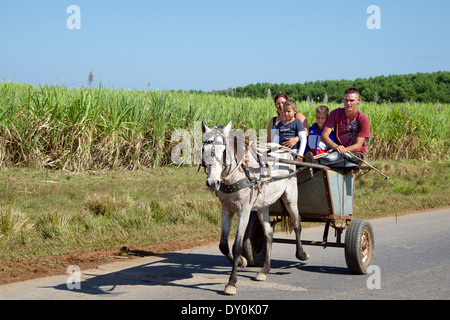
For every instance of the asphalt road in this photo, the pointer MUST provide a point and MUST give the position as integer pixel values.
(412, 258)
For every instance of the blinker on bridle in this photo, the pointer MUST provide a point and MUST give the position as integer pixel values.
(214, 143)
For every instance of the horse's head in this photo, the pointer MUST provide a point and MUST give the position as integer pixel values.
(215, 154)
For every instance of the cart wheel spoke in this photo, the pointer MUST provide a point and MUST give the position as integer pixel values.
(365, 248)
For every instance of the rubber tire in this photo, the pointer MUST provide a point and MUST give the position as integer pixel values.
(359, 237)
(254, 246)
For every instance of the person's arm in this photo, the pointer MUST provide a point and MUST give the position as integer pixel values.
(269, 131)
(340, 148)
(304, 121)
(357, 146)
(303, 139)
(325, 138)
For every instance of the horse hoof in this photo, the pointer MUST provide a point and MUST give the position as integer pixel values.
(304, 257)
(261, 276)
(243, 263)
(230, 290)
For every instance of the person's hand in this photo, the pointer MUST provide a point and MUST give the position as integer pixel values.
(290, 142)
(341, 149)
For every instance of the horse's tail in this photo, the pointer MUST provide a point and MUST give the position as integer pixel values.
(286, 223)
(285, 220)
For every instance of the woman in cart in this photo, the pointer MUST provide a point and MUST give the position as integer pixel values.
(272, 133)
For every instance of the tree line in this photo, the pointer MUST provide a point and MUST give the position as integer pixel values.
(423, 87)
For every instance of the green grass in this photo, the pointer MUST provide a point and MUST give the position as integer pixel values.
(98, 128)
(51, 212)
(412, 185)
(46, 212)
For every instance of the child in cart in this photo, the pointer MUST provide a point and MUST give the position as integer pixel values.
(291, 130)
(315, 145)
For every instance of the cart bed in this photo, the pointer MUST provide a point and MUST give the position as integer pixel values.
(323, 195)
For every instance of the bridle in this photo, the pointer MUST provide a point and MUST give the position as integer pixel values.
(226, 168)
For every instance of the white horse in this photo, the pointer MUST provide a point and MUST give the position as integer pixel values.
(234, 173)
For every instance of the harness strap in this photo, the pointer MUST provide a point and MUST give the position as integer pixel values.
(250, 182)
(239, 185)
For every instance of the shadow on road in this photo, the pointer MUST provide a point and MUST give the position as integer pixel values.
(178, 270)
(325, 269)
(167, 271)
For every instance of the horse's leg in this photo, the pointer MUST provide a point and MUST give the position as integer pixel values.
(244, 215)
(226, 224)
(289, 198)
(264, 218)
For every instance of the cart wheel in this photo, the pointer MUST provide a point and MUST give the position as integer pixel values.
(359, 246)
(254, 246)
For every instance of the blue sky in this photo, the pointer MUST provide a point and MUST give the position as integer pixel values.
(205, 45)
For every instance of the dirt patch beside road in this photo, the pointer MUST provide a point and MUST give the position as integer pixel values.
(33, 268)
